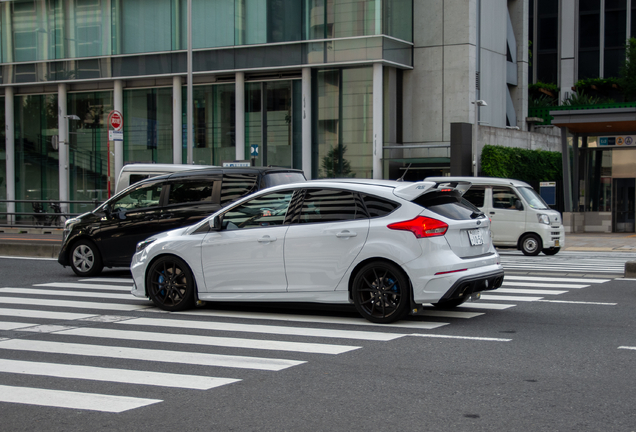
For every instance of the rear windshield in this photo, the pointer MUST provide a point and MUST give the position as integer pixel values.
(280, 178)
(450, 205)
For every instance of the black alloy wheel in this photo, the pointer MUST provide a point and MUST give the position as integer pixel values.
(531, 245)
(85, 259)
(170, 284)
(381, 292)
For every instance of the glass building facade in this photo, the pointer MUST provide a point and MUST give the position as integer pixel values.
(81, 49)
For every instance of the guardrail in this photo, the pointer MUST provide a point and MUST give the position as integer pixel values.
(46, 213)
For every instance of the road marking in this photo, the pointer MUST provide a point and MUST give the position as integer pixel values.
(509, 298)
(22, 301)
(113, 280)
(29, 258)
(578, 302)
(487, 306)
(13, 325)
(60, 293)
(449, 314)
(420, 325)
(210, 341)
(193, 358)
(460, 337)
(527, 291)
(74, 400)
(85, 286)
(551, 279)
(30, 313)
(194, 382)
(249, 328)
(542, 285)
(627, 347)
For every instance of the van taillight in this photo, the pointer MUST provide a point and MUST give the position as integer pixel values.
(421, 226)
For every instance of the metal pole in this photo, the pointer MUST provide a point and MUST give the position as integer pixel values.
(62, 121)
(177, 121)
(190, 114)
(306, 145)
(10, 151)
(475, 126)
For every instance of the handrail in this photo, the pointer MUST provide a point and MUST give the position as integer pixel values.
(40, 217)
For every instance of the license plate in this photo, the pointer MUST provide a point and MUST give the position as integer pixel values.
(556, 243)
(475, 237)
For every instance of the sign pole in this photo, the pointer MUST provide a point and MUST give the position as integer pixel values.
(115, 133)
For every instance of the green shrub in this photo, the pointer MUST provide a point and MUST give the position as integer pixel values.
(521, 164)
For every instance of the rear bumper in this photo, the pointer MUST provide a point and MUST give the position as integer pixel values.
(464, 287)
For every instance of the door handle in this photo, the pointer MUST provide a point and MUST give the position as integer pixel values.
(346, 234)
(266, 239)
(492, 212)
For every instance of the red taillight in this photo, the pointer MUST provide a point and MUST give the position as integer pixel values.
(421, 226)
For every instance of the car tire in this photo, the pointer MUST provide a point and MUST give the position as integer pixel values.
(450, 304)
(531, 245)
(381, 292)
(552, 251)
(170, 284)
(85, 259)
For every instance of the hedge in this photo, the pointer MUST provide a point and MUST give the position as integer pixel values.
(521, 164)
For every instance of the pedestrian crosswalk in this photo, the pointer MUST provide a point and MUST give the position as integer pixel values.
(93, 330)
(565, 263)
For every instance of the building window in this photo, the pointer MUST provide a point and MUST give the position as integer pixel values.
(589, 38)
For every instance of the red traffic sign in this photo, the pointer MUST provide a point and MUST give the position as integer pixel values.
(116, 120)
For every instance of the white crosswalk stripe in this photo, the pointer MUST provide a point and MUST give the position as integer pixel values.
(564, 264)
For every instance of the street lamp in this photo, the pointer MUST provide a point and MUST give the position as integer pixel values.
(477, 104)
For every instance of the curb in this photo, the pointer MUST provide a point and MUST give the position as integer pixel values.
(30, 250)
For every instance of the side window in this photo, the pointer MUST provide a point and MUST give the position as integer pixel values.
(190, 191)
(145, 196)
(504, 198)
(235, 186)
(134, 178)
(328, 205)
(378, 207)
(263, 211)
(475, 195)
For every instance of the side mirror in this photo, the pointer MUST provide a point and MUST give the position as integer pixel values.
(518, 205)
(216, 223)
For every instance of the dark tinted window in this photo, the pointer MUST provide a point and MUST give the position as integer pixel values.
(378, 207)
(144, 196)
(328, 205)
(263, 211)
(475, 195)
(193, 191)
(235, 186)
(134, 178)
(456, 211)
(275, 179)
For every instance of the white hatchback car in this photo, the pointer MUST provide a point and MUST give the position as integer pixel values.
(385, 246)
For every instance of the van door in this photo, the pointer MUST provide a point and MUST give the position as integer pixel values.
(190, 200)
(506, 211)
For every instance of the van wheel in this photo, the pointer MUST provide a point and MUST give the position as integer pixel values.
(85, 259)
(531, 245)
(552, 251)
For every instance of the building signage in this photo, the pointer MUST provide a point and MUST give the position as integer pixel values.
(237, 164)
(626, 140)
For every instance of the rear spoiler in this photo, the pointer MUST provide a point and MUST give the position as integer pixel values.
(411, 191)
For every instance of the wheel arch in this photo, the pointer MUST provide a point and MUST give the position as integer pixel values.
(363, 263)
(168, 254)
(522, 236)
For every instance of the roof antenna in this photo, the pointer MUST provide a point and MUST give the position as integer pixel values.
(405, 171)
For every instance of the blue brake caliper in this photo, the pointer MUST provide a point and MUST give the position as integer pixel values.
(161, 280)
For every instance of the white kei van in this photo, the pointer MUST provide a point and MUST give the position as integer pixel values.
(520, 218)
(134, 172)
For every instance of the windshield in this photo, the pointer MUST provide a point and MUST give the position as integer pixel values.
(533, 199)
(280, 178)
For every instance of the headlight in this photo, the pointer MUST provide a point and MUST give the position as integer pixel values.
(143, 244)
(70, 222)
(544, 219)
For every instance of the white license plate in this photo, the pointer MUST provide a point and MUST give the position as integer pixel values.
(475, 237)
(556, 243)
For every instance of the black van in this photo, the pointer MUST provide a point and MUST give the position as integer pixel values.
(108, 235)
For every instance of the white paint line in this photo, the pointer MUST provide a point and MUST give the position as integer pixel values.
(553, 279)
(449, 314)
(211, 341)
(30, 313)
(23, 301)
(86, 286)
(486, 306)
(625, 279)
(73, 400)
(627, 347)
(566, 269)
(194, 358)
(45, 328)
(578, 302)
(113, 280)
(542, 285)
(527, 291)
(29, 258)
(61, 293)
(461, 337)
(420, 325)
(249, 328)
(126, 376)
(509, 298)
(13, 325)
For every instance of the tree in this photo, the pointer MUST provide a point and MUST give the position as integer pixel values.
(627, 78)
(335, 165)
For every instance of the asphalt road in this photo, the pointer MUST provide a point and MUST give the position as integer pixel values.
(551, 350)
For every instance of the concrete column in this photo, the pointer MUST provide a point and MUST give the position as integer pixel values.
(63, 151)
(378, 131)
(10, 150)
(567, 70)
(118, 105)
(567, 177)
(306, 123)
(240, 116)
(177, 121)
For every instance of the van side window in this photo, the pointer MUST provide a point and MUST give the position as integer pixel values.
(235, 186)
(134, 178)
(145, 196)
(475, 195)
(191, 191)
(504, 198)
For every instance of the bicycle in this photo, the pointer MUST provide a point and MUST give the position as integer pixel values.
(42, 218)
